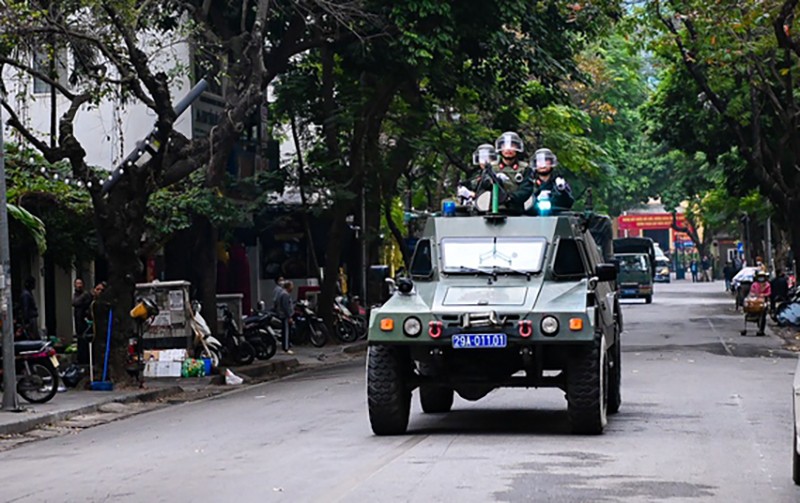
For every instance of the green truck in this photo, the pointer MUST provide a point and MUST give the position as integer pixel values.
(637, 267)
(495, 301)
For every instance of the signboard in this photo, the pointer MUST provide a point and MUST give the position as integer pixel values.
(649, 221)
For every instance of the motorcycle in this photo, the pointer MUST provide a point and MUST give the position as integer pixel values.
(262, 330)
(308, 326)
(348, 328)
(205, 344)
(37, 370)
(234, 343)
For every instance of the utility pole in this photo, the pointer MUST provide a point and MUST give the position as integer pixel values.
(768, 247)
(10, 401)
(364, 264)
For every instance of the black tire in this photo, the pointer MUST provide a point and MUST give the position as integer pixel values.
(244, 354)
(317, 333)
(435, 399)
(648, 299)
(587, 388)
(41, 385)
(346, 331)
(270, 343)
(388, 395)
(615, 377)
(795, 459)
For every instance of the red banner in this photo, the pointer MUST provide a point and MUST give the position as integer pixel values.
(649, 221)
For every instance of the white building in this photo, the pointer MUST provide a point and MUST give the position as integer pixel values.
(108, 133)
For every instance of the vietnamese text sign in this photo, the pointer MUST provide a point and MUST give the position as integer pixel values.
(649, 221)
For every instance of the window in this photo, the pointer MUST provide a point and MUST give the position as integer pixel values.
(633, 263)
(493, 253)
(568, 262)
(42, 64)
(422, 261)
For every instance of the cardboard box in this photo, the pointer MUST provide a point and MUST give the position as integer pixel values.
(169, 369)
(151, 369)
(151, 355)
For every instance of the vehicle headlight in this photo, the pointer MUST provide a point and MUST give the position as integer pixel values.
(412, 327)
(549, 325)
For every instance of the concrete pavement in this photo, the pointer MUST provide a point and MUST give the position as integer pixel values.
(79, 402)
(706, 417)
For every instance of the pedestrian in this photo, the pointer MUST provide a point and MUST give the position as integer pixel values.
(29, 311)
(284, 310)
(762, 290)
(81, 302)
(276, 292)
(728, 271)
(780, 289)
(706, 269)
(693, 269)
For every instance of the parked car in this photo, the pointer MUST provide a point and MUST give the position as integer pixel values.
(662, 270)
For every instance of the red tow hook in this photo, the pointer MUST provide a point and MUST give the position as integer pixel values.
(525, 328)
(435, 329)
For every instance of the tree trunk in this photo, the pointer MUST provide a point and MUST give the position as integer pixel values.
(794, 233)
(204, 268)
(121, 229)
(333, 255)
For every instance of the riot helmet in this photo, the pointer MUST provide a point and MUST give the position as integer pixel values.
(509, 142)
(484, 154)
(544, 160)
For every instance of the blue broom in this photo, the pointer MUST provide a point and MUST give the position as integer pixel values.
(105, 384)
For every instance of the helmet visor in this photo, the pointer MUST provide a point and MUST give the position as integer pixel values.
(544, 160)
(485, 154)
(509, 141)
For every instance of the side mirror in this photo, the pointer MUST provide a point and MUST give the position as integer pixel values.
(405, 285)
(606, 272)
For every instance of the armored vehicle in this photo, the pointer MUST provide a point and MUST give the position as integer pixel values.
(500, 301)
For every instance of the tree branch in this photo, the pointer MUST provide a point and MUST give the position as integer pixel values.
(51, 154)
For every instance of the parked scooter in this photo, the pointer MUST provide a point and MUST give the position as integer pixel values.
(37, 370)
(348, 328)
(205, 344)
(233, 342)
(261, 332)
(309, 327)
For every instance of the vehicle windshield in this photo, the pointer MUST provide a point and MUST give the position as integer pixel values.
(632, 263)
(496, 254)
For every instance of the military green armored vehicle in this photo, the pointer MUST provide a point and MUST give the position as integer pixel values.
(500, 301)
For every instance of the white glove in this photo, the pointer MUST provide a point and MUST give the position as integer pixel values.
(503, 177)
(465, 193)
(561, 184)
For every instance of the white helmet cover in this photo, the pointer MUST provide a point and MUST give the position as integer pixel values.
(509, 141)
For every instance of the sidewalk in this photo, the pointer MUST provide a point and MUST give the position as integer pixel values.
(75, 402)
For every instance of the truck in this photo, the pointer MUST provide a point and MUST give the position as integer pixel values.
(500, 301)
(637, 267)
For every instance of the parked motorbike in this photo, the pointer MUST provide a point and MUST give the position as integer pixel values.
(262, 331)
(37, 370)
(308, 326)
(348, 328)
(234, 343)
(205, 344)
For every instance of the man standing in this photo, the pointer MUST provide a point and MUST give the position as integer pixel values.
(706, 269)
(29, 311)
(81, 302)
(728, 271)
(284, 310)
(693, 269)
(276, 292)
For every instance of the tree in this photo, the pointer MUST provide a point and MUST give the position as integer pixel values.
(742, 58)
(113, 44)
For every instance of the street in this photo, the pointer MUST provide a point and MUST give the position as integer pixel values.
(706, 416)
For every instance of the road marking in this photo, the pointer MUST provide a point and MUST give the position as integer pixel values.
(724, 345)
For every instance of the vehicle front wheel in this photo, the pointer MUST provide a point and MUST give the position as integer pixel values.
(388, 395)
(587, 388)
(435, 399)
(795, 461)
(41, 384)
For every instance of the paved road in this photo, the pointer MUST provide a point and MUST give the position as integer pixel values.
(706, 416)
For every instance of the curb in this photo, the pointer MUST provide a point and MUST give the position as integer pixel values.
(252, 374)
(62, 415)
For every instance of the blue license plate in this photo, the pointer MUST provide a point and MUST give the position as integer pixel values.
(467, 341)
(629, 292)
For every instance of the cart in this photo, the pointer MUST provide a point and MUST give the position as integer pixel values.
(754, 309)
